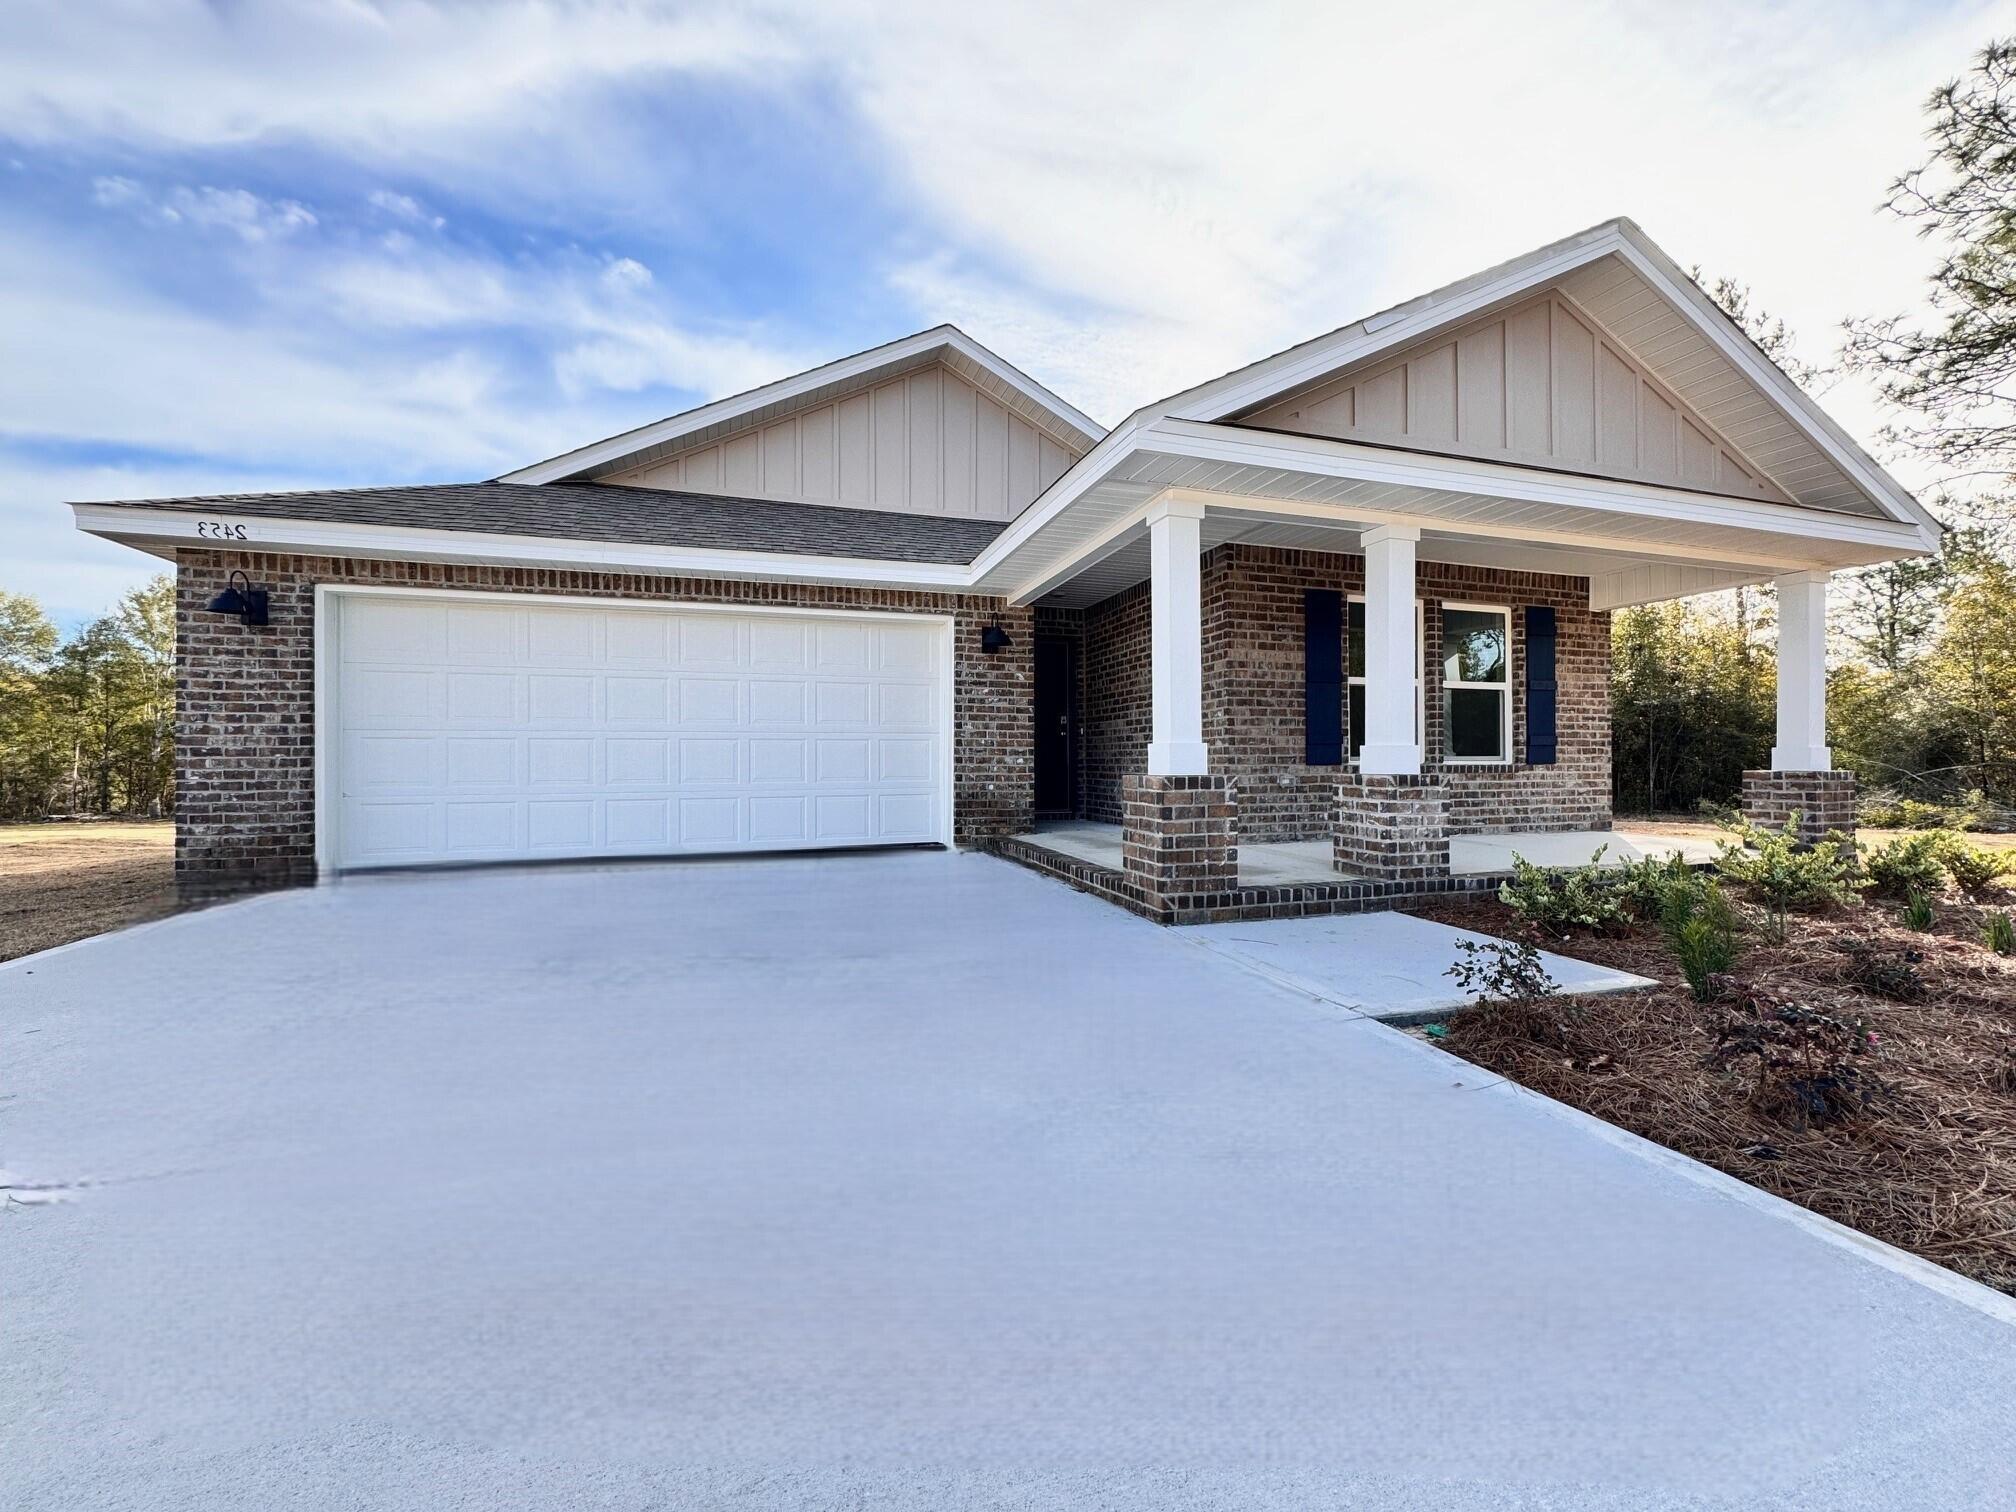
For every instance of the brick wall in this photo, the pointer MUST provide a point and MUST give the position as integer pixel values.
(1114, 726)
(1252, 611)
(1823, 801)
(245, 738)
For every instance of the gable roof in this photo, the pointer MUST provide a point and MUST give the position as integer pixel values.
(945, 345)
(1640, 297)
(628, 516)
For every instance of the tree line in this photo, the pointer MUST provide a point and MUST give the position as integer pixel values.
(87, 723)
(1922, 686)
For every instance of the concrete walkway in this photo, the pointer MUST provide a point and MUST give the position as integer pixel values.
(1283, 863)
(914, 1181)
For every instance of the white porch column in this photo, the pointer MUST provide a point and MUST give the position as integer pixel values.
(1391, 746)
(1176, 640)
(1802, 675)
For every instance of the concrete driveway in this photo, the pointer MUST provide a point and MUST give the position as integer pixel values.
(907, 1181)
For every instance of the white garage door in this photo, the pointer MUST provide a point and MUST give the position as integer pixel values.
(488, 730)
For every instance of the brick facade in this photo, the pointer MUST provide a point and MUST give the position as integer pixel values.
(1253, 680)
(1823, 801)
(1179, 841)
(1392, 829)
(245, 739)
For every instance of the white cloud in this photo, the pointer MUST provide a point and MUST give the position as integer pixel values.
(249, 216)
(404, 207)
(397, 78)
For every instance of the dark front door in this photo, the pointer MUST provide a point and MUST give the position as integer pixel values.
(1056, 727)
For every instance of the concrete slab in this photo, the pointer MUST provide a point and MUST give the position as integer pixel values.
(1282, 863)
(911, 1181)
(1471, 854)
(1389, 966)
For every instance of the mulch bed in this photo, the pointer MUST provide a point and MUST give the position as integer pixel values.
(1929, 1165)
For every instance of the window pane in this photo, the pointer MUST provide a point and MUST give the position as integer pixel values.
(1473, 646)
(1476, 722)
(1354, 640)
(1355, 733)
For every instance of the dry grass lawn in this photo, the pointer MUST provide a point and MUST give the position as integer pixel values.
(66, 881)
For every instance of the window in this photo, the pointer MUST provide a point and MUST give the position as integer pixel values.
(1476, 683)
(1354, 670)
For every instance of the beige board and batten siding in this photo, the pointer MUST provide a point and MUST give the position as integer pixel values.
(924, 443)
(1538, 383)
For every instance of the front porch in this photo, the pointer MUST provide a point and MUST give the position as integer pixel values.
(1291, 878)
(1283, 863)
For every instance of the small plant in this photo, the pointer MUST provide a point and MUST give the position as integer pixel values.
(1786, 873)
(1888, 973)
(1974, 869)
(1904, 814)
(1806, 1069)
(1641, 886)
(1918, 912)
(2000, 934)
(1911, 864)
(1700, 928)
(1560, 898)
(1502, 971)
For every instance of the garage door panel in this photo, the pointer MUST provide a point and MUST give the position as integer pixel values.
(499, 730)
(482, 761)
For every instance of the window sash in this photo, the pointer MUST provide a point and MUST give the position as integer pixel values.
(1501, 687)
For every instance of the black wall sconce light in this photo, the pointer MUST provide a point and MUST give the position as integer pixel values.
(242, 599)
(993, 638)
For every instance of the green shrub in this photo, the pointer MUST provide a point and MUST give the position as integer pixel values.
(1786, 873)
(1502, 971)
(1905, 813)
(1918, 912)
(2000, 934)
(1641, 886)
(1558, 899)
(1975, 869)
(1910, 864)
(1700, 927)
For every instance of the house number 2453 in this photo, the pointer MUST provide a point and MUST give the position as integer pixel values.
(220, 530)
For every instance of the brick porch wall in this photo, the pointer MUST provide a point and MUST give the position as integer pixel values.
(1252, 609)
(1823, 801)
(245, 740)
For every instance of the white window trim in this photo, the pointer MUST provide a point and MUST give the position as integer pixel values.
(1505, 688)
(1420, 676)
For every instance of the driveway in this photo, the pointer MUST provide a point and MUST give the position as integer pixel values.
(903, 1181)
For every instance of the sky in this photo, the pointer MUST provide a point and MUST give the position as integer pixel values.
(315, 243)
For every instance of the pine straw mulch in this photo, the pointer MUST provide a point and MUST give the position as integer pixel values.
(1929, 1166)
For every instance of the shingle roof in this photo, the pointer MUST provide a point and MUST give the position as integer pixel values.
(630, 516)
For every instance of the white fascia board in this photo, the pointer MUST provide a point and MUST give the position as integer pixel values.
(1663, 274)
(1364, 339)
(1301, 365)
(1372, 464)
(937, 340)
(402, 543)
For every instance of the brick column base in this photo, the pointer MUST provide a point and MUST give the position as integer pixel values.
(1823, 801)
(1179, 840)
(1392, 829)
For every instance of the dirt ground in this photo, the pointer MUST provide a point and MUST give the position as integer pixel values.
(1928, 1163)
(65, 881)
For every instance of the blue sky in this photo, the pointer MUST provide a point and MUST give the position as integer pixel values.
(278, 245)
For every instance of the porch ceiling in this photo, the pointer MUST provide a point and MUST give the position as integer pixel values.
(1636, 543)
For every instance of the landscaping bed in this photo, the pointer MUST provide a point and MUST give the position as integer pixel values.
(1858, 1066)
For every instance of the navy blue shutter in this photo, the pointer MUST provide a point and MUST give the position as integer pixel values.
(1541, 739)
(1323, 677)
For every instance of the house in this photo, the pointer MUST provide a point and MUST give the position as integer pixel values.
(1353, 598)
